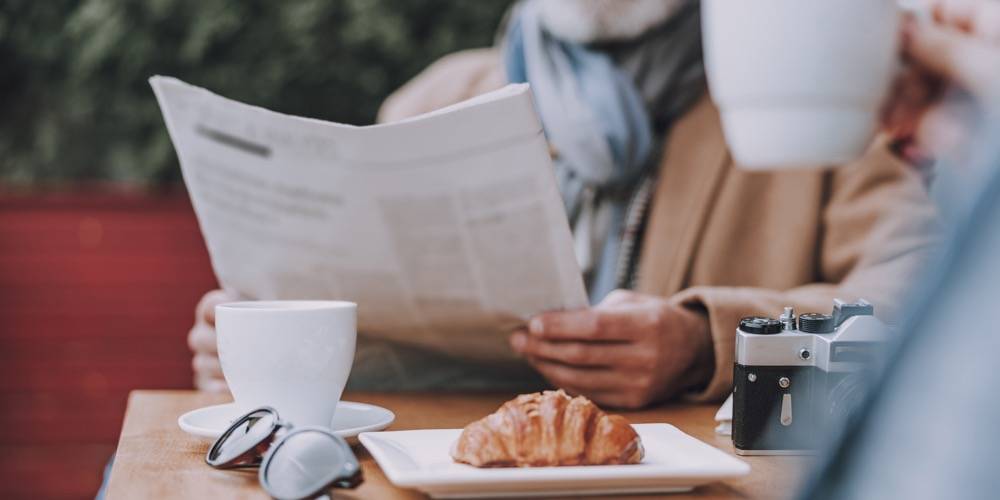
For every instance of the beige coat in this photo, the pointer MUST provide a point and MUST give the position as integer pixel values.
(737, 242)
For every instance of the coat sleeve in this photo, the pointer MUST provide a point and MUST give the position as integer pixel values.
(451, 79)
(880, 229)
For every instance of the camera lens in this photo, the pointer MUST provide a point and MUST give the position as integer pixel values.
(846, 396)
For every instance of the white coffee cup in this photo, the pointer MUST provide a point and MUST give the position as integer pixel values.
(799, 83)
(294, 355)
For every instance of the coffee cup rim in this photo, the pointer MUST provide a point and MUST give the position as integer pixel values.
(287, 305)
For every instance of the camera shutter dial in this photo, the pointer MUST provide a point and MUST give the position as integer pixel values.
(816, 323)
(760, 325)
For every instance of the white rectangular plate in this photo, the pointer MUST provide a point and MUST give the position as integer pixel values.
(673, 462)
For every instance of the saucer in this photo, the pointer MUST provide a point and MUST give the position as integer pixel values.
(349, 420)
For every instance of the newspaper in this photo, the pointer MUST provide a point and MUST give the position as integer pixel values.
(447, 229)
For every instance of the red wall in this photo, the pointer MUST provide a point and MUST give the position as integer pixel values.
(97, 293)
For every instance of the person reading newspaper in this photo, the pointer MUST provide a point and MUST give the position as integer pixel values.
(675, 242)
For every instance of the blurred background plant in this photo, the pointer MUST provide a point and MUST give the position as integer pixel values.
(76, 104)
(101, 258)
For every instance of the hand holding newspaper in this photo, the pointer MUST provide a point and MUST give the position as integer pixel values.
(447, 229)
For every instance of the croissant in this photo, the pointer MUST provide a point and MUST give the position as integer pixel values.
(548, 429)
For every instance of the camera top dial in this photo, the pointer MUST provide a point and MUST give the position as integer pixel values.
(761, 325)
(816, 323)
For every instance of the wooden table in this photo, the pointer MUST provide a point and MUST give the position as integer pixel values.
(155, 459)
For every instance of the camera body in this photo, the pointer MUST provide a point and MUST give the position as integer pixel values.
(797, 379)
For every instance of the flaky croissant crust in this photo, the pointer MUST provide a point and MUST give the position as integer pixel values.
(548, 429)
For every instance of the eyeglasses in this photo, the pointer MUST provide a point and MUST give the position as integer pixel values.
(294, 464)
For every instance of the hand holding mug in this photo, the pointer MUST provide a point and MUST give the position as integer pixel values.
(952, 80)
(203, 342)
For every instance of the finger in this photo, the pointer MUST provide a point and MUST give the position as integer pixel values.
(956, 14)
(619, 323)
(206, 365)
(980, 18)
(205, 310)
(912, 93)
(565, 324)
(202, 339)
(580, 354)
(892, 113)
(582, 379)
(517, 339)
(213, 385)
(948, 53)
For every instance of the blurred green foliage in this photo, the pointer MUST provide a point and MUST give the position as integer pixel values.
(76, 105)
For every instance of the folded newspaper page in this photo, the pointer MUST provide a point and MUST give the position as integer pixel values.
(447, 229)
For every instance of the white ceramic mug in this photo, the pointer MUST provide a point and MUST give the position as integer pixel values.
(292, 355)
(799, 83)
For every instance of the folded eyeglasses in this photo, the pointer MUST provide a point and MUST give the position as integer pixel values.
(295, 464)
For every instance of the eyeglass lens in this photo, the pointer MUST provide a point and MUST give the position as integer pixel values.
(247, 434)
(306, 463)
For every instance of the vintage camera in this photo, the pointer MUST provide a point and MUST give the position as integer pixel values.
(797, 380)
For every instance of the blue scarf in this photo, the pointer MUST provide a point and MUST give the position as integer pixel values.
(604, 109)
